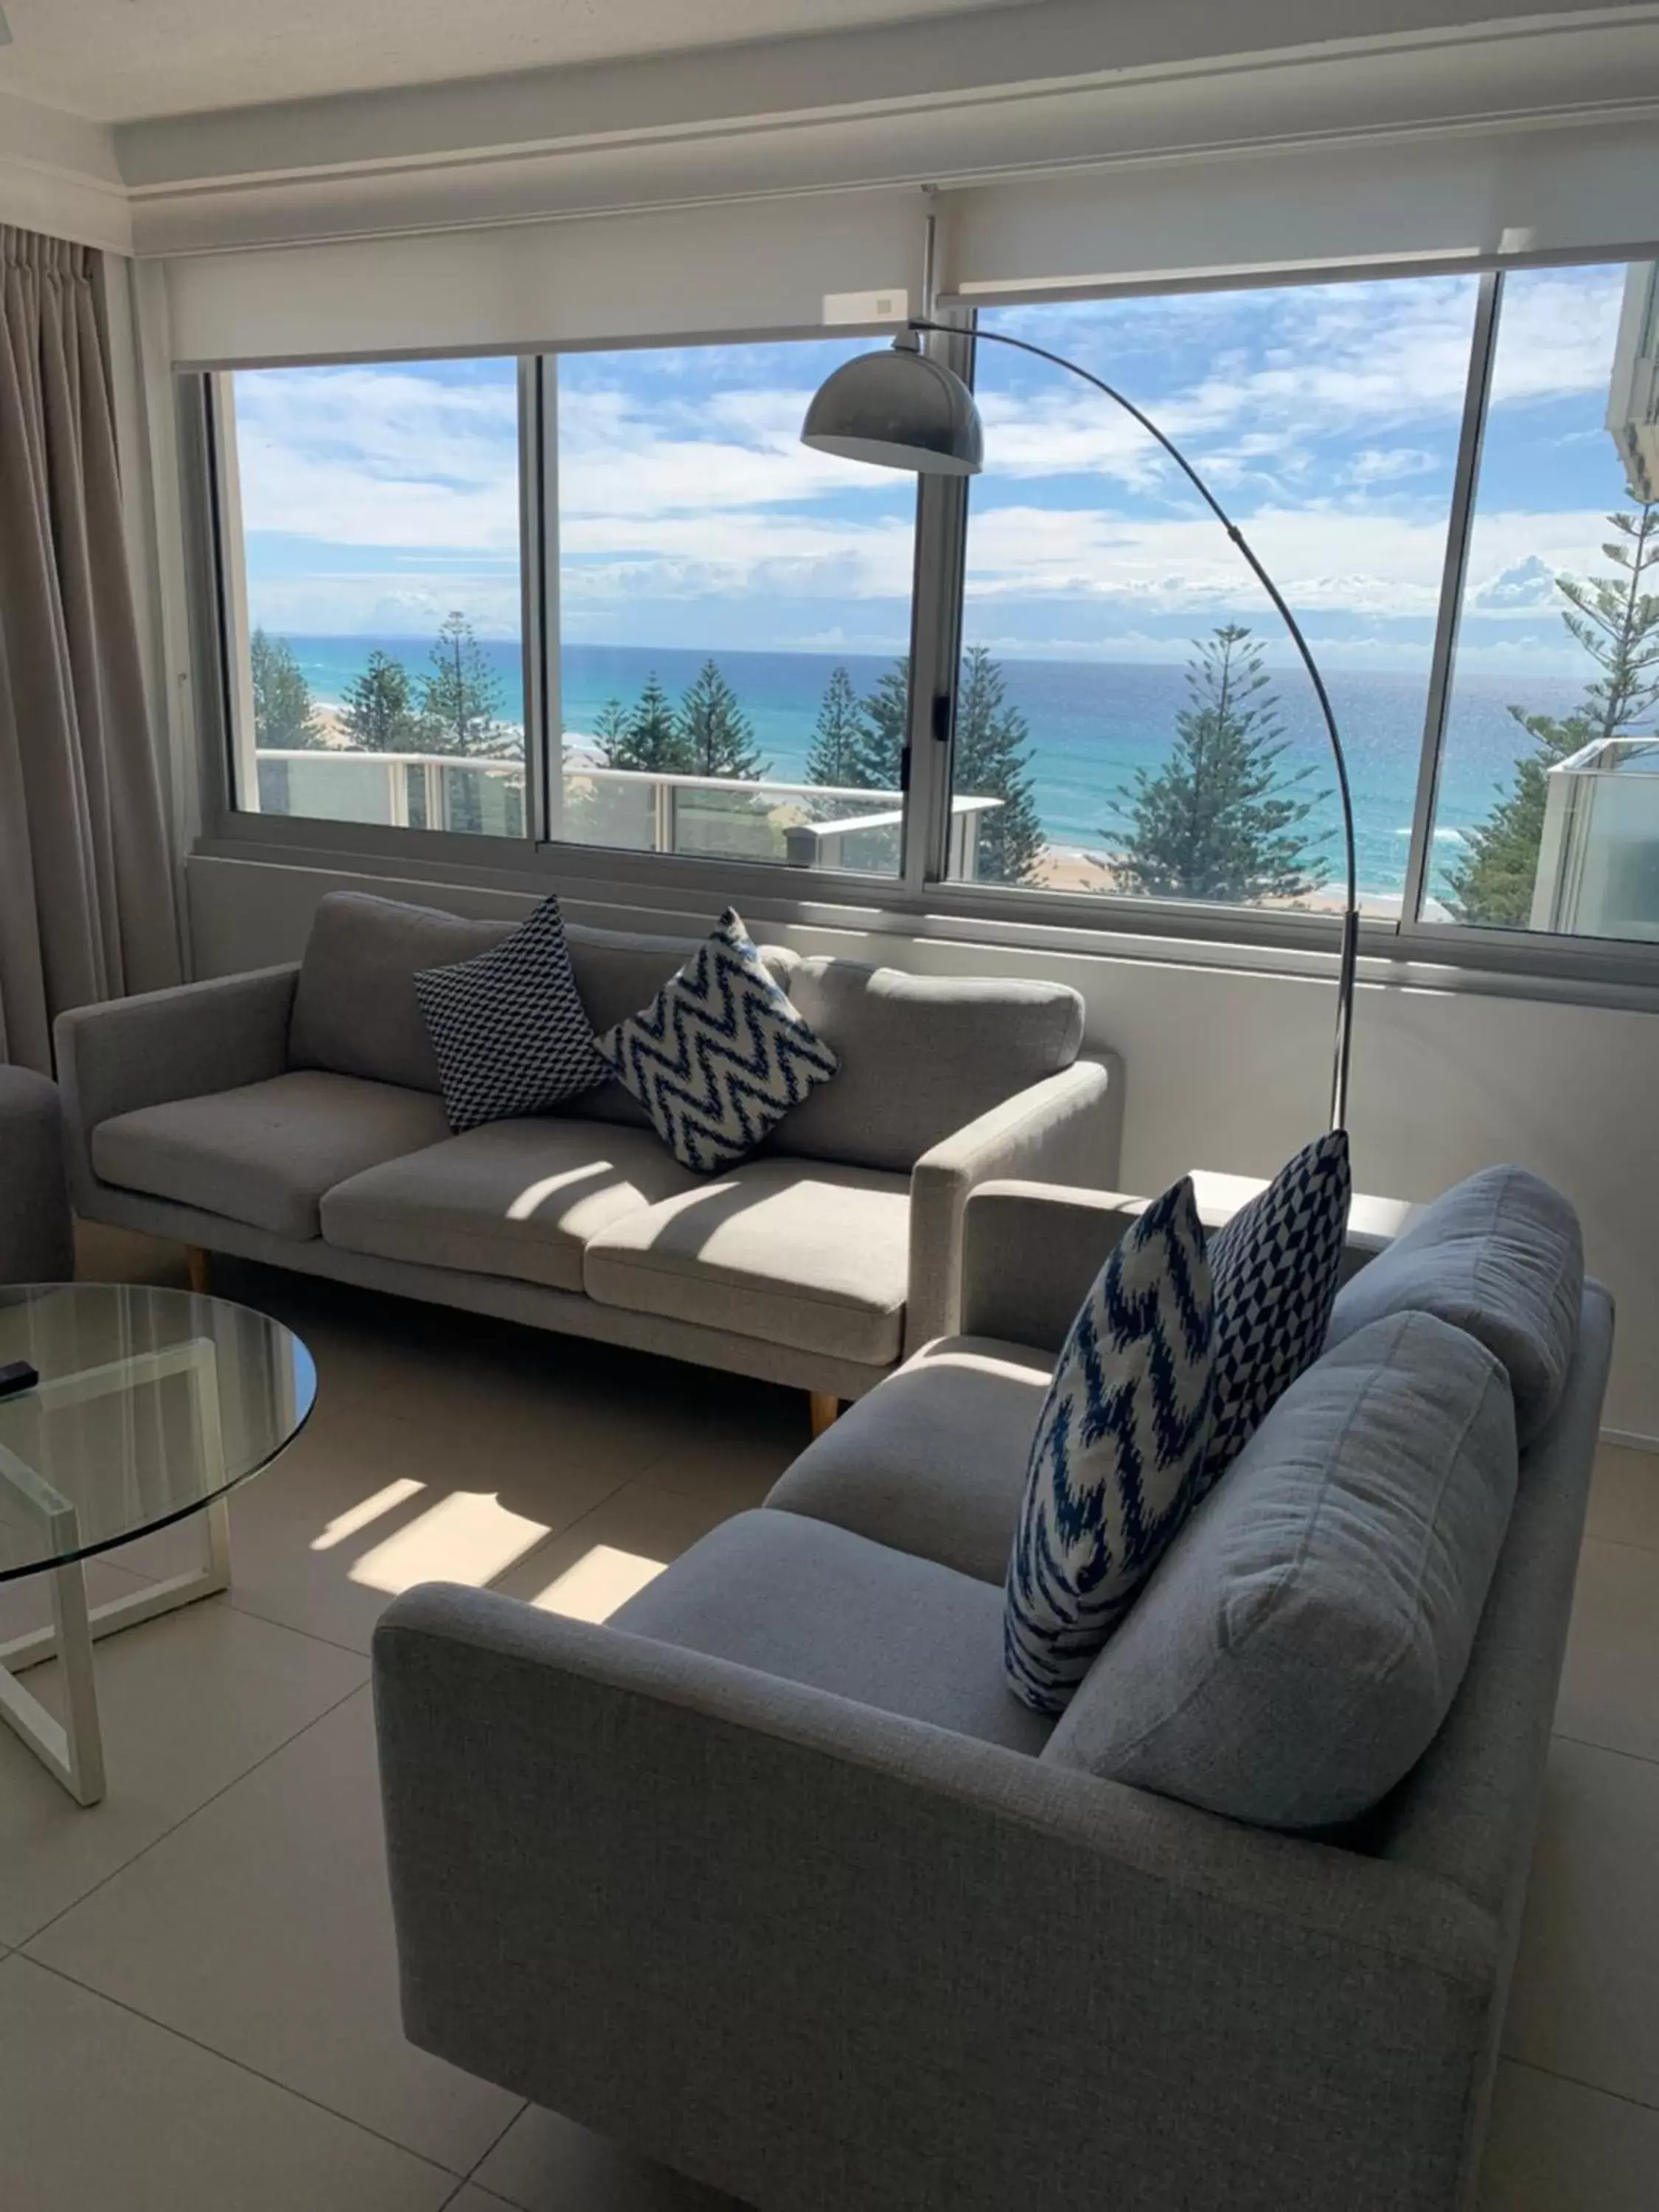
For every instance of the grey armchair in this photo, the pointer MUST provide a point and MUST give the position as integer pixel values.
(771, 1879)
(36, 1240)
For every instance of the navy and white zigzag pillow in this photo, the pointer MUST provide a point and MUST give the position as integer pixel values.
(1119, 1451)
(1275, 1269)
(720, 1055)
(508, 1028)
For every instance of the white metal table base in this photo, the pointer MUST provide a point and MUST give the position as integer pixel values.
(73, 1749)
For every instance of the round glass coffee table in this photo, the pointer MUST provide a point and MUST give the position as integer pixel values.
(151, 1405)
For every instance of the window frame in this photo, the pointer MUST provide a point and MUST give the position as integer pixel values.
(921, 899)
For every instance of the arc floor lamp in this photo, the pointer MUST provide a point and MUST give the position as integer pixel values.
(901, 409)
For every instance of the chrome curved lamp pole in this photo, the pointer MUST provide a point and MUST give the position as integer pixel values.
(901, 409)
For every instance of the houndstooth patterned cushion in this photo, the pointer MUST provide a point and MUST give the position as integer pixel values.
(1119, 1449)
(1275, 1269)
(508, 1028)
(720, 1055)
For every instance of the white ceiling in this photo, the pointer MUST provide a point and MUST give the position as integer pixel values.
(119, 60)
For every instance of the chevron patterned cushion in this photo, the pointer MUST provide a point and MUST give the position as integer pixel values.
(509, 1027)
(1275, 1267)
(1118, 1449)
(720, 1055)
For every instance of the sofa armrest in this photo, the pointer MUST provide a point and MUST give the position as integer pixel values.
(178, 1043)
(1065, 1129)
(1030, 1251)
(819, 1954)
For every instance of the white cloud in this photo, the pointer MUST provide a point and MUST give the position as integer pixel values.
(376, 603)
(1375, 465)
(1556, 334)
(1325, 414)
(1527, 584)
(1320, 558)
(379, 456)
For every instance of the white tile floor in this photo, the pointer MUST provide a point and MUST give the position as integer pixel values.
(197, 2003)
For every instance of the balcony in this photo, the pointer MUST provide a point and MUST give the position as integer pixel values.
(1598, 863)
(800, 825)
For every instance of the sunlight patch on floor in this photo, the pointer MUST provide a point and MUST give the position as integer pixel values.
(359, 1516)
(599, 1582)
(467, 1537)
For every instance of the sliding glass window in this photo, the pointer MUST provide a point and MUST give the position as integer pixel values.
(1547, 814)
(733, 612)
(370, 600)
(1132, 720)
(607, 600)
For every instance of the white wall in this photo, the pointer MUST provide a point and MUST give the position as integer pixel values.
(1229, 1069)
(58, 174)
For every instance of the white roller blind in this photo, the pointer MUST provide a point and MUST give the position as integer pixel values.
(1566, 188)
(765, 264)
(757, 266)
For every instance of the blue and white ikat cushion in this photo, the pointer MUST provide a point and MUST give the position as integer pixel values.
(720, 1055)
(1119, 1454)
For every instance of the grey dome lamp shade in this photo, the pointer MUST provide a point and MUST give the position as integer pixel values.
(899, 409)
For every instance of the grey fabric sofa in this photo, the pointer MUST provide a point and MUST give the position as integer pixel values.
(293, 1116)
(37, 1239)
(779, 1886)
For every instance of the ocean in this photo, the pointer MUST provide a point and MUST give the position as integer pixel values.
(1092, 723)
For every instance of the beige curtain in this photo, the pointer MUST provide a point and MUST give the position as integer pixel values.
(86, 887)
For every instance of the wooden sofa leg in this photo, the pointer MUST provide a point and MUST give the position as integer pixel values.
(826, 1411)
(200, 1266)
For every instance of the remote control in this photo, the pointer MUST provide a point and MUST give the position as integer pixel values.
(18, 1375)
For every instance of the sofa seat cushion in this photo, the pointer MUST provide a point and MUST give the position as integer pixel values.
(517, 1198)
(1500, 1254)
(794, 1597)
(1298, 1650)
(790, 1252)
(265, 1154)
(934, 1461)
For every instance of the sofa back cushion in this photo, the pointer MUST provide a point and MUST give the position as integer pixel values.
(1500, 1255)
(356, 1012)
(1296, 1651)
(919, 1056)
(354, 1008)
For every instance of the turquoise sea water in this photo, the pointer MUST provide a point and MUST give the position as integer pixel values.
(1092, 723)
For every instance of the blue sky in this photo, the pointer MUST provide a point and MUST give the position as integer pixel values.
(377, 497)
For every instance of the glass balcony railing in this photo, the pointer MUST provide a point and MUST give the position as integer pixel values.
(801, 825)
(1598, 861)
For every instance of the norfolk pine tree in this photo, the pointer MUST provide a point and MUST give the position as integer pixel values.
(879, 756)
(285, 718)
(460, 703)
(1617, 622)
(992, 755)
(461, 696)
(651, 738)
(833, 757)
(719, 736)
(1217, 821)
(610, 728)
(992, 751)
(379, 713)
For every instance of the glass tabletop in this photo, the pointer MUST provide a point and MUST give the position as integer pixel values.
(150, 1404)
